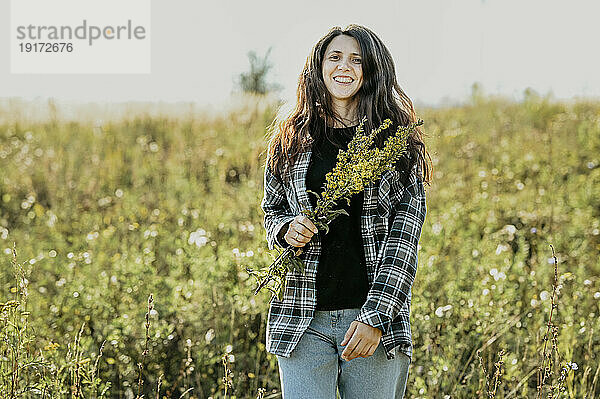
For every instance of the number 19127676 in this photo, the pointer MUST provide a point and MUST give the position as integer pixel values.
(43, 47)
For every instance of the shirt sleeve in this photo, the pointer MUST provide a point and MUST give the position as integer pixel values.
(393, 281)
(275, 207)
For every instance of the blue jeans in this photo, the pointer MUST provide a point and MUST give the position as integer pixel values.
(315, 369)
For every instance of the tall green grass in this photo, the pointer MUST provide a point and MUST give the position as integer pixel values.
(111, 208)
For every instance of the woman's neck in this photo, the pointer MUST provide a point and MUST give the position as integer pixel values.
(347, 114)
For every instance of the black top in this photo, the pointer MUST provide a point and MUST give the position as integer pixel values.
(342, 280)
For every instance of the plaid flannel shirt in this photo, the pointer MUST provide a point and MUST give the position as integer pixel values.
(391, 222)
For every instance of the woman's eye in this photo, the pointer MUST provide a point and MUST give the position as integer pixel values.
(337, 57)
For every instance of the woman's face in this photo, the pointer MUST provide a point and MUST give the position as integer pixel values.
(342, 69)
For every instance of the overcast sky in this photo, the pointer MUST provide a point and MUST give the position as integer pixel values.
(440, 47)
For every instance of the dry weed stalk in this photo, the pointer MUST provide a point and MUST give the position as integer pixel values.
(76, 389)
(16, 311)
(492, 385)
(227, 377)
(158, 386)
(145, 352)
(545, 369)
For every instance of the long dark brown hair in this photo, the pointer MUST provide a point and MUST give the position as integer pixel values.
(379, 97)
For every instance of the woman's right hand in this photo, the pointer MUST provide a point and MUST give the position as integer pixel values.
(300, 231)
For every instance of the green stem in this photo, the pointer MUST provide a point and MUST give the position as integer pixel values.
(283, 256)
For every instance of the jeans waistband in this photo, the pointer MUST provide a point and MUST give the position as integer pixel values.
(338, 313)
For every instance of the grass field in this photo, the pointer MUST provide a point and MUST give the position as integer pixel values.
(109, 205)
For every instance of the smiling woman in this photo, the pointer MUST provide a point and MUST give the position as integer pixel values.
(345, 323)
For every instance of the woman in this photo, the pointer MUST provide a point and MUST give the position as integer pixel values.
(344, 324)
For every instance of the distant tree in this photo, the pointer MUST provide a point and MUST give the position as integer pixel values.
(255, 81)
(477, 93)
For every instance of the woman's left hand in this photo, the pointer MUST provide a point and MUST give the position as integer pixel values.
(362, 340)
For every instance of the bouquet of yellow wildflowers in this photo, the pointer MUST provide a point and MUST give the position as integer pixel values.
(355, 168)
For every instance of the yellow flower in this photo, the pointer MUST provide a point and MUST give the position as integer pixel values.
(51, 346)
(360, 165)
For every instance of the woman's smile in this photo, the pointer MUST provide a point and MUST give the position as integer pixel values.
(343, 80)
